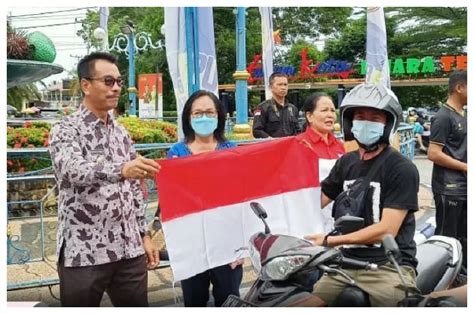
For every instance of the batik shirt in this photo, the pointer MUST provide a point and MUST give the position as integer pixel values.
(101, 215)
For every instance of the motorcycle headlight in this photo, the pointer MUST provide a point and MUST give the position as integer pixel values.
(279, 268)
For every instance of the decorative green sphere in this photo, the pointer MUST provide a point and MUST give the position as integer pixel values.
(41, 47)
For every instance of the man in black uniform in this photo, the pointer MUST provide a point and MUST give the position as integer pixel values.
(448, 152)
(371, 114)
(276, 117)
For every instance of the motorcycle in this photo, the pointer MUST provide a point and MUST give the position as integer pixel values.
(288, 267)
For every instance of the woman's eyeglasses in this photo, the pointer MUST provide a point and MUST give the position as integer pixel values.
(199, 114)
(108, 80)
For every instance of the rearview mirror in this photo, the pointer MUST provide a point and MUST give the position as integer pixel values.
(258, 210)
(391, 246)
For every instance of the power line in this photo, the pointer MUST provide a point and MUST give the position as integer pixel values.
(49, 25)
(52, 12)
(46, 17)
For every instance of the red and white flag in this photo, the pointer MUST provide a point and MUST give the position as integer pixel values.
(205, 199)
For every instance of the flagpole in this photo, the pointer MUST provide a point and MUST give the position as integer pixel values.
(241, 128)
(132, 90)
(192, 49)
(197, 70)
(189, 48)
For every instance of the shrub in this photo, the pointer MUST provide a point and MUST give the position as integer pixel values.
(27, 137)
(149, 131)
(36, 134)
(170, 114)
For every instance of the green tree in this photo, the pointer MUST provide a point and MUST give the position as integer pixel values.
(426, 31)
(430, 30)
(145, 19)
(225, 40)
(411, 32)
(294, 54)
(309, 23)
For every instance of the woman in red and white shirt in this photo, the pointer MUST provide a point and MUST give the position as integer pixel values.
(320, 114)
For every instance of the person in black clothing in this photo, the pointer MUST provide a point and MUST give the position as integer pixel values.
(371, 114)
(276, 117)
(448, 152)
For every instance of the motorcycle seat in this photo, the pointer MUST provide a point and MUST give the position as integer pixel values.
(433, 262)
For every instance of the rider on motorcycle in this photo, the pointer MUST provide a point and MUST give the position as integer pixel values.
(370, 115)
(420, 126)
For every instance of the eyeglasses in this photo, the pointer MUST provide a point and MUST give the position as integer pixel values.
(199, 114)
(108, 80)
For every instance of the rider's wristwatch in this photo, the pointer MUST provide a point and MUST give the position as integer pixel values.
(325, 241)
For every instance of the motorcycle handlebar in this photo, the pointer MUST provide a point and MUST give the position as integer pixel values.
(356, 264)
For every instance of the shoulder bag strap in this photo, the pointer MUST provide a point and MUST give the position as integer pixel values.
(376, 166)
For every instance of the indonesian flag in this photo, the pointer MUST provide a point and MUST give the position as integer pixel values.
(204, 200)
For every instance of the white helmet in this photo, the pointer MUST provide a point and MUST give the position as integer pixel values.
(411, 109)
(371, 96)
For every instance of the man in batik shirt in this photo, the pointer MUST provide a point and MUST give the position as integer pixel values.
(103, 242)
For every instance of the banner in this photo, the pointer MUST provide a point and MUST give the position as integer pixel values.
(205, 199)
(267, 47)
(150, 96)
(176, 54)
(175, 41)
(377, 58)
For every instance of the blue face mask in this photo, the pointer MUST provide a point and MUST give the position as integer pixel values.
(367, 132)
(204, 126)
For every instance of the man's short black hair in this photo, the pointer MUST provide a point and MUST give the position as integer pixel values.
(85, 67)
(456, 78)
(276, 74)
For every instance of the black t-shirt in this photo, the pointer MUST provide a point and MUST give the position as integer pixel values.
(395, 186)
(449, 128)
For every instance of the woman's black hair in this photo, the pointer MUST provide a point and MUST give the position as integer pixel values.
(310, 105)
(188, 131)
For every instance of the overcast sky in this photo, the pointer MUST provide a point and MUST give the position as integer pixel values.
(69, 47)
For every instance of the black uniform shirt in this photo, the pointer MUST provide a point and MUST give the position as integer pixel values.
(272, 119)
(449, 129)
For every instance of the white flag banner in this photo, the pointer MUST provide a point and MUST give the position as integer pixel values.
(207, 50)
(175, 40)
(377, 71)
(267, 47)
(176, 54)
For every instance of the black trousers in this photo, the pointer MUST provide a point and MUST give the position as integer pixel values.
(451, 219)
(225, 281)
(125, 281)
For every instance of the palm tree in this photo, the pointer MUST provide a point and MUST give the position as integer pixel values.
(18, 94)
